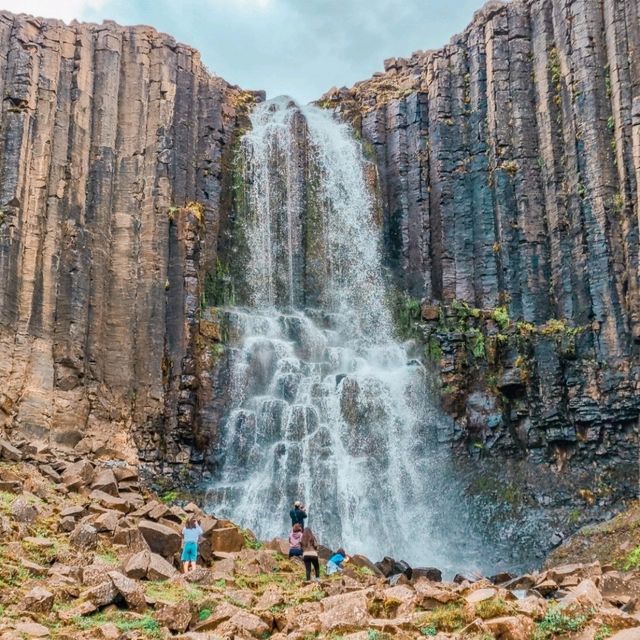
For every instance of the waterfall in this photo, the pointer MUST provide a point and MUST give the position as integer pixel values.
(326, 405)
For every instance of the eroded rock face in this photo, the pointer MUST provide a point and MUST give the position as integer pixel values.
(508, 172)
(107, 132)
(508, 168)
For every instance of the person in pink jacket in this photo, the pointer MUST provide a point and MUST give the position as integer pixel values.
(295, 541)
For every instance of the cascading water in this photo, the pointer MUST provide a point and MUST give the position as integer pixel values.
(326, 405)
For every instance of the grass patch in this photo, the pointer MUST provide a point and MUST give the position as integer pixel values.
(6, 500)
(450, 617)
(501, 317)
(169, 497)
(250, 541)
(203, 614)
(632, 561)
(493, 608)
(107, 555)
(145, 624)
(603, 632)
(173, 592)
(262, 580)
(556, 623)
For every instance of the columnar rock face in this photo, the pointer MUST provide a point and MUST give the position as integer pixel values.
(509, 171)
(106, 133)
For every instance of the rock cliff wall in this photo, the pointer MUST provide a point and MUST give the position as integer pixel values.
(106, 133)
(509, 171)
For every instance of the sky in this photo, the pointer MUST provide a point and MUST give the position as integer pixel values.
(300, 48)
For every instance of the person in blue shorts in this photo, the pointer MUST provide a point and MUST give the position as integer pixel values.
(190, 536)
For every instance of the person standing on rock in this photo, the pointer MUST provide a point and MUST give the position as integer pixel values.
(190, 536)
(298, 514)
(310, 554)
(295, 541)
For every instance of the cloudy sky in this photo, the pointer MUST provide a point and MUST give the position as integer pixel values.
(297, 47)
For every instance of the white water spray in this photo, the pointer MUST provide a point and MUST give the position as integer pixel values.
(326, 406)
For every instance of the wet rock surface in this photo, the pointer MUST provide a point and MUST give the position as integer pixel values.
(509, 194)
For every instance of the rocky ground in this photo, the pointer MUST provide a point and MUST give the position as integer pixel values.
(86, 552)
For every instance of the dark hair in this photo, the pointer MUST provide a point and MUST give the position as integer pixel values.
(308, 539)
(297, 527)
(342, 552)
(191, 523)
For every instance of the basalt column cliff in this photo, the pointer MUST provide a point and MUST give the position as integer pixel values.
(508, 167)
(105, 134)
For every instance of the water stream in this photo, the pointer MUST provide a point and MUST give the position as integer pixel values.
(327, 406)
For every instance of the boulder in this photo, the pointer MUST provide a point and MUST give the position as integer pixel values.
(48, 471)
(429, 596)
(616, 619)
(32, 630)
(223, 612)
(33, 568)
(38, 600)
(108, 501)
(137, 565)
(175, 616)
(511, 627)
(362, 562)
(272, 597)
(226, 539)
(81, 470)
(532, 606)
(132, 498)
(160, 538)
(243, 623)
(430, 573)
(125, 474)
(546, 587)
(22, 511)
(95, 573)
(84, 537)
(223, 569)
(389, 567)
(521, 582)
(158, 511)
(129, 536)
(480, 595)
(107, 521)
(585, 596)
(130, 590)
(560, 573)
(9, 452)
(74, 511)
(101, 594)
(11, 486)
(104, 480)
(280, 545)
(344, 612)
(159, 568)
(83, 609)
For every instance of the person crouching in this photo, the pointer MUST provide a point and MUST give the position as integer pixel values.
(334, 563)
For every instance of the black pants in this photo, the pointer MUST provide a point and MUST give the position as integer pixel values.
(311, 560)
